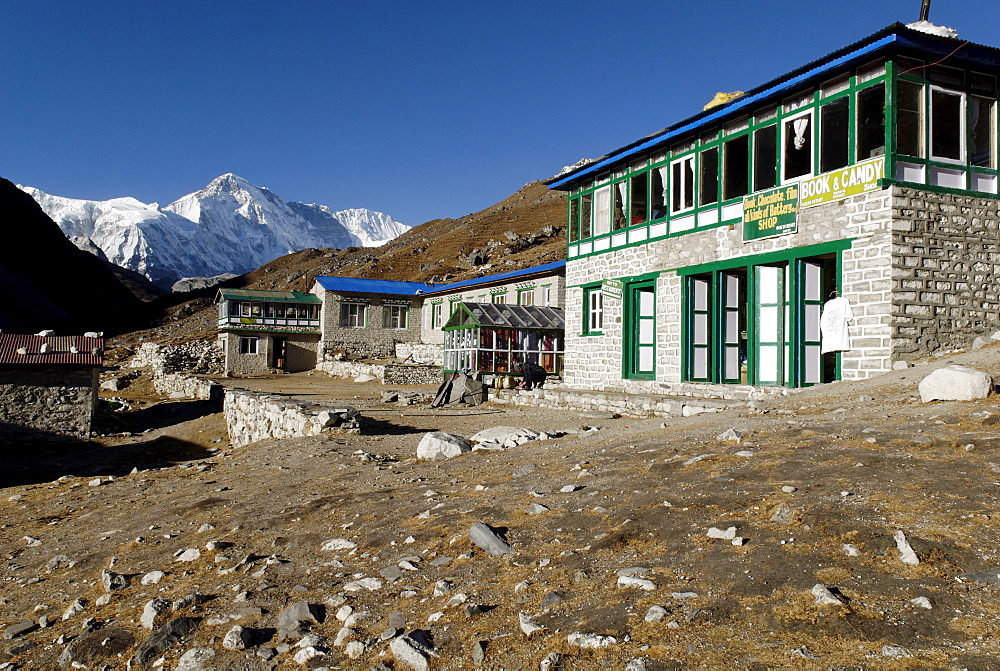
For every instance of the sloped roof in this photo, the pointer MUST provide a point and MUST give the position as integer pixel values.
(89, 351)
(258, 295)
(498, 278)
(500, 315)
(896, 34)
(363, 286)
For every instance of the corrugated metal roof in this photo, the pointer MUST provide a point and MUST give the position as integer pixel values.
(363, 286)
(258, 295)
(896, 33)
(498, 278)
(60, 350)
(499, 315)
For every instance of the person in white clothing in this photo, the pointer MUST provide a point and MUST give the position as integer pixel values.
(833, 324)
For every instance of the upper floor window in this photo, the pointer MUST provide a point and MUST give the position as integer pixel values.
(870, 122)
(526, 297)
(736, 167)
(499, 299)
(947, 125)
(352, 315)
(765, 158)
(619, 193)
(682, 184)
(638, 197)
(797, 147)
(834, 134)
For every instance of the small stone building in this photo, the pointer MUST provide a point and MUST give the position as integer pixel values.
(48, 386)
(367, 318)
(264, 331)
(708, 254)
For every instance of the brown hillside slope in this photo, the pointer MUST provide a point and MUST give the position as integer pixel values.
(525, 229)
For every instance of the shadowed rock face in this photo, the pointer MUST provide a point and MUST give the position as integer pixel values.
(46, 282)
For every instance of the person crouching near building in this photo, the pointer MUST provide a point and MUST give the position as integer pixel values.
(534, 375)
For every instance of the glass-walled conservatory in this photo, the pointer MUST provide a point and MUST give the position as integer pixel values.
(493, 339)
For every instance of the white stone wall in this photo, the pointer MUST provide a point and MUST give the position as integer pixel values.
(595, 362)
(252, 416)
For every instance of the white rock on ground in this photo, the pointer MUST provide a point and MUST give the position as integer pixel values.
(906, 553)
(955, 383)
(440, 445)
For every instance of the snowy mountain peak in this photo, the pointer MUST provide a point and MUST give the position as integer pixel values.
(229, 226)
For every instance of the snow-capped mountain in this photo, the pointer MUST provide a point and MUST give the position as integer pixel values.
(229, 226)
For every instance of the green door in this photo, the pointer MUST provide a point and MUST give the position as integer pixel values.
(641, 349)
(769, 325)
(699, 308)
(810, 281)
(730, 327)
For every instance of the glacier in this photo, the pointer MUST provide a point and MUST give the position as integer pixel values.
(230, 226)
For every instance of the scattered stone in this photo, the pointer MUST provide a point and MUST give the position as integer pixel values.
(551, 599)
(906, 553)
(804, 653)
(97, 647)
(195, 659)
(409, 652)
(922, 602)
(32, 542)
(19, 629)
(153, 609)
(485, 537)
(729, 534)
(190, 554)
(440, 445)
(59, 562)
(955, 383)
(354, 649)
(991, 575)
(237, 638)
(113, 581)
(479, 652)
(551, 661)
(370, 584)
(730, 436)
(824, 597)
(163, 638)
(788, 489)
(894, 651)
(74, 608)
(590, 640)
(783, 514)
(524, 469)
(632, 582)
(851, 550)
(536, 509)
(637, 664)
(153, 577)
(569, 489)
(528, 626)
(656, 614)
(335, 544)
(298, 613)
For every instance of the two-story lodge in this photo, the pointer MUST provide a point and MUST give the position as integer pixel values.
(709, 252)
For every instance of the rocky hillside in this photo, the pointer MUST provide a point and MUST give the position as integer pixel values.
(526, 229)
(47, 282)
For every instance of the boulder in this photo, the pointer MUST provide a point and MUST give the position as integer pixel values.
(440, 445)
(955, 383)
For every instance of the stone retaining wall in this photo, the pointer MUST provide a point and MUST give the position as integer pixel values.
(253, 416)
(176, 385)
(420, 353)
(384, 373)
(634, 405)
(204, 357)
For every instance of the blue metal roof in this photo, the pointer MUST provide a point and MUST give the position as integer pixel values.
(358, 285)
(495, 279)
(896, 34)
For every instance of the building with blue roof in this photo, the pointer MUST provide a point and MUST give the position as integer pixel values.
(824, 225)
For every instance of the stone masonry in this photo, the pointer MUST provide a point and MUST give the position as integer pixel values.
(253, 416)
(47, 404)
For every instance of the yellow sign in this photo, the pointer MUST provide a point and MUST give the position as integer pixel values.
(850, 181)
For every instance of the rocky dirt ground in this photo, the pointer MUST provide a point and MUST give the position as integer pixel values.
(608, 524)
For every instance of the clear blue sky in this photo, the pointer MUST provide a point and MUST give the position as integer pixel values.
(417, 109)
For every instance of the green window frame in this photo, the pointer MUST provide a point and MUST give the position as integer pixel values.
(593, 311)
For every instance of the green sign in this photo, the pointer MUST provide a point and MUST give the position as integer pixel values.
(770, 213)
(850, 181)
(612, 289)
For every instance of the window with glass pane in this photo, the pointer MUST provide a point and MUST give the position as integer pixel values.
(708, 191)
(586, 212)
(765, 158)
(499, 299)
(619, 193)
(682, 184)
(526, 297)
(395, 316)
(982, 132)
(834, 122)
(574, 219)
(871, 122)
(352, 315)
(248, 345)
(602, 210)
(658, 193)
(910, 119)
(797, 147)
(947, 125)
(594, 310)
(736, 167)
(638, 198)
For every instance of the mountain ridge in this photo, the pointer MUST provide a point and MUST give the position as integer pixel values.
(228, 226)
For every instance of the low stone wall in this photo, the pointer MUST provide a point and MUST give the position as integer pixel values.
(633, 405)
(46, 404)
(204, 357)
(384, 373)
(420, 353)
(176, 385)
(253, 416)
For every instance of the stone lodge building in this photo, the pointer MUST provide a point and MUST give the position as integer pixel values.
(48, 386)
(709, 252)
